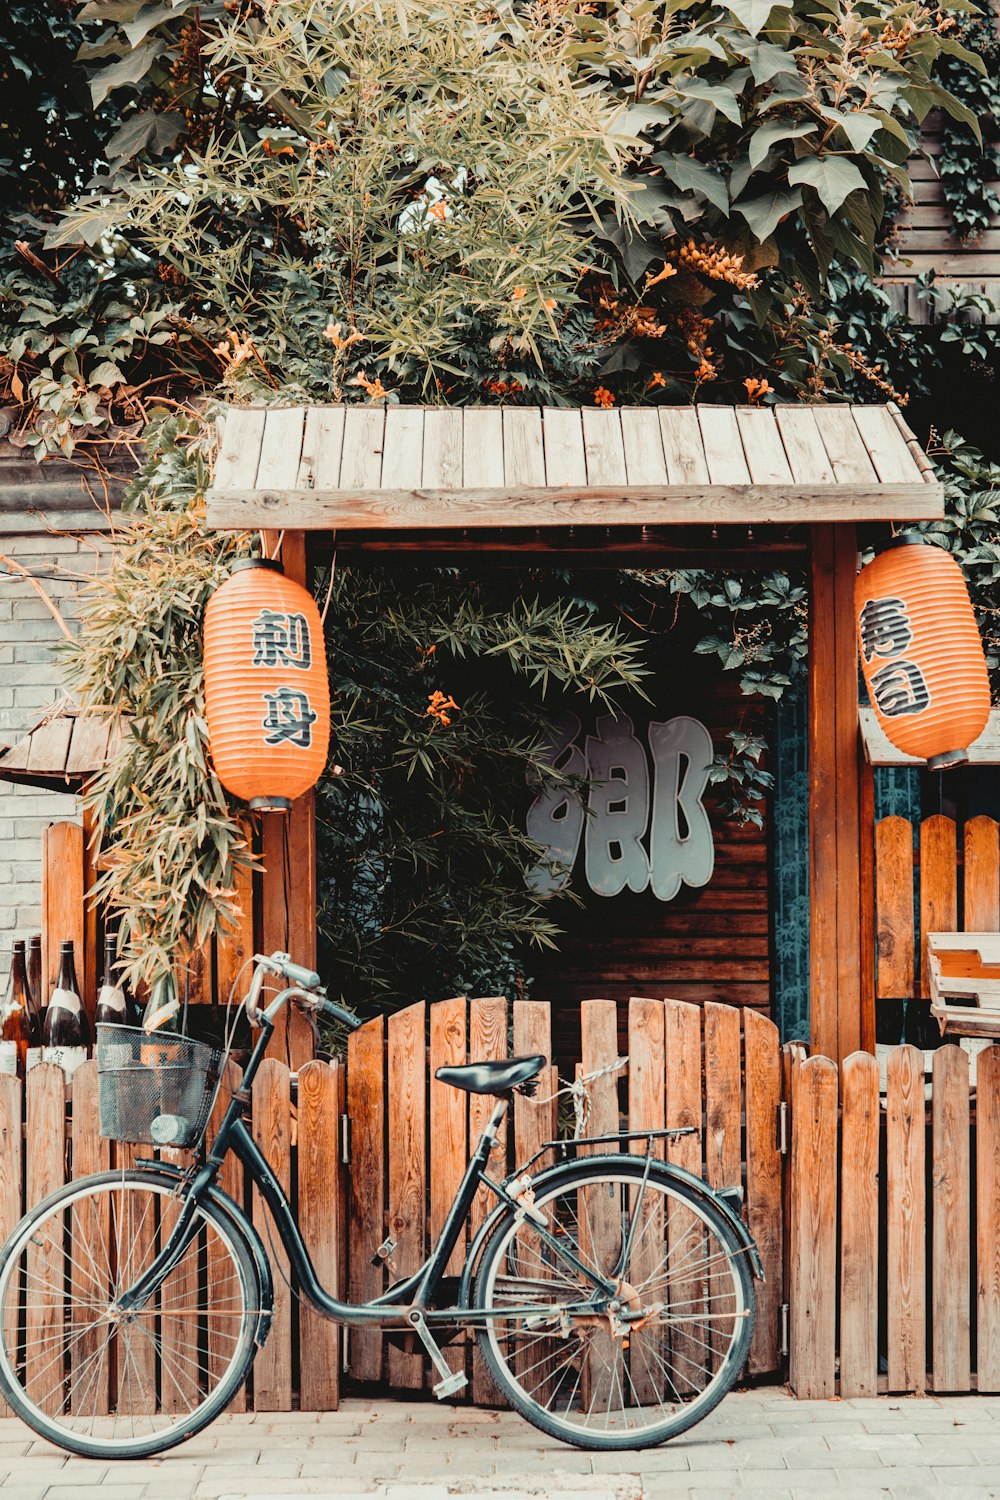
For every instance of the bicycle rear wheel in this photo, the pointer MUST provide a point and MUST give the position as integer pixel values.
(106, 1385)
(595, 1378)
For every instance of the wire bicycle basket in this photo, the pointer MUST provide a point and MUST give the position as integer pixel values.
(155, 1090)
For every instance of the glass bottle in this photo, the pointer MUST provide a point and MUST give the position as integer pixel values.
(112, 1006)
(34, 1009)
(66, 1022)
(35, 980)
(16, 1024)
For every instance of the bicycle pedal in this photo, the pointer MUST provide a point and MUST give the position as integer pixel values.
(457, 1381)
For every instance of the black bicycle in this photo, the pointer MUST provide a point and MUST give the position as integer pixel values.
(612, 1294)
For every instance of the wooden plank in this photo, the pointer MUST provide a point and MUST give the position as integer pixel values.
(521, 503)
(844, 446)
(562, 435)
(823, 772)
(683, 1111)
(45, 1160)
(523, 453)
(793, 1055)
(217, 1262)
(849, 958)
(723, 1154)
(442, 460)
(600, 1217)
(985, 751)
(647, 1111)
(723, 445)
(603, 446)
(281, 449)
(272, 1371)
(236, 465)
(951, 1357)
(859, 1226)
(762, 1082)
(11, 1184)
(403, 447)
(448, 1109)
(532, 1034)
(319, 1110)
(89, 1392)
(407, 1166)
(813, 1261)
(49, 746)
(683, 445)
(803, 445)
(905, 1220)
(88, 745)
(938, 884)
(322, 444)
(866, 884)
(233, 950)
(366, 1193)
(178, 1362)
(133, 1231)
(487, 1041)
(62, 901)
(644, 460)
(892, 460)
(482, 447)
(894, 908)
(361, 456)
(981, 874)
(762, 446)
(988, 1220)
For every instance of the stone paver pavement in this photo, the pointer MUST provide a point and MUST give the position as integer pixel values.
(760, 1445)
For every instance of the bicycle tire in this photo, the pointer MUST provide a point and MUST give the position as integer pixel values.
(51, 1278)
(713, 1303)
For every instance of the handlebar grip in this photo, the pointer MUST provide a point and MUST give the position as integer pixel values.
(338, 1013)
(306, 979)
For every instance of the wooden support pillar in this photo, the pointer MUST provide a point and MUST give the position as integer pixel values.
(840, 884)
(287, 905)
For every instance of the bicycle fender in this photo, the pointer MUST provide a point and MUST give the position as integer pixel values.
(551, 1176)
(242, 1226)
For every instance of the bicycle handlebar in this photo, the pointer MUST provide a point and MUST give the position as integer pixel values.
(304, 981)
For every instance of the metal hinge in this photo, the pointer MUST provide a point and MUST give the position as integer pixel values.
(783, 1329)
(345, 1139)
(783, 1128)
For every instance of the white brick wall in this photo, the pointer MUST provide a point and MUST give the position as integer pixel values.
(29, 681)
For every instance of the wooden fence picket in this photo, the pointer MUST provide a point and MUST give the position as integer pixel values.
(448, 1142)
(600, 1227)
(813, 1264)
(950, 1320)
(45, 1161)
(905, 1220)
(762, 1065)
(319, 1110)
(407, 1168)
(894, 933)
(859, 1226)
(685, 1236)
(487, 1041)
(272, 1371)
(11, 1181)
(988, 1220)
(90, 1153)
(981, 876)
(647, 1095)
(217, 1260)
(938, 885)
(366, 1186)
(723, 1147)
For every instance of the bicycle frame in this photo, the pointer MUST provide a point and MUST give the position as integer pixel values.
(395, 1307)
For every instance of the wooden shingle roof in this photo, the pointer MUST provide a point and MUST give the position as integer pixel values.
(404, 467)
(60, 752)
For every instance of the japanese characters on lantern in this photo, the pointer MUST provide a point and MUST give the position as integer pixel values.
(644, 826)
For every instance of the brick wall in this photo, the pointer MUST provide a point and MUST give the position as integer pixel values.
(29, 681)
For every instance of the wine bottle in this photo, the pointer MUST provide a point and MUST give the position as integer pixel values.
(66, 1022)
(15, 1030)
(35, 980)
(112, 1007)
(31, 998)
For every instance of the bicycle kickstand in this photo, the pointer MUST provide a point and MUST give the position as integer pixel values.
(451, 1380)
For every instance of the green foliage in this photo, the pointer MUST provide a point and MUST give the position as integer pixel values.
(158, 804)
(969, 167)
(441, 680)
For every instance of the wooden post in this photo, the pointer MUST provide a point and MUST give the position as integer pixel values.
(288, 881)
(838, 894)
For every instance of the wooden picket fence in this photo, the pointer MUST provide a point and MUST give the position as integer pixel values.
(894, 1225)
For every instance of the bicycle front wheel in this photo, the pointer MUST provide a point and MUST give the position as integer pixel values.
(662, 1353)
(106, 1385)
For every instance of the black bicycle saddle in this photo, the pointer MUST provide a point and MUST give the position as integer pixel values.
(492, 1077)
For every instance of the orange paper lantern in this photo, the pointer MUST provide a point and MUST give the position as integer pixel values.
(921, 652)
(267, 696)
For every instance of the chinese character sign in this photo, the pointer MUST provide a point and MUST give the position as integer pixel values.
(921, 653)
(266, 688)
(635, 806)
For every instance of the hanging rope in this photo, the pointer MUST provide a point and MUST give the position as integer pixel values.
(579, 1094)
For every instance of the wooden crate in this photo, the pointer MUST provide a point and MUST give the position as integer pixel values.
(964, 978)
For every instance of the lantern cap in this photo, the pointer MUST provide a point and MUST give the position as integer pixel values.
(270, 804)
(269, 563)
(908, 539)
(947, 759)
